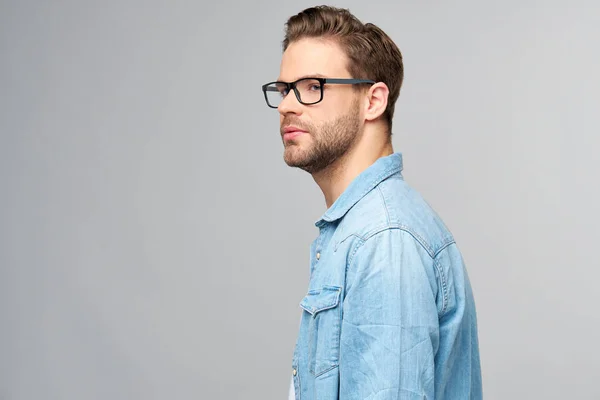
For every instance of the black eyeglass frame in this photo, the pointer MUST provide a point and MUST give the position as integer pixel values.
(322, 81)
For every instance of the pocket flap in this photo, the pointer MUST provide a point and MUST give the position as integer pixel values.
(321, 299)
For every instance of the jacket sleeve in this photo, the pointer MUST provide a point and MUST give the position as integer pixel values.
(390, 330)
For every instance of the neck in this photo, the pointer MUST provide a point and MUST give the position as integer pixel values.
(335, 179)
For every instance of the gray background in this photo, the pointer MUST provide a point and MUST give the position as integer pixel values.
(153, 244)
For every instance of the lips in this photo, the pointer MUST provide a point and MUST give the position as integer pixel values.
(291, 132)
(290, 129)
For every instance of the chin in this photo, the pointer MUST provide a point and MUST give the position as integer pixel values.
(294, 156)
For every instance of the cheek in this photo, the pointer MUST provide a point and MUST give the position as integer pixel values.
(337, 106)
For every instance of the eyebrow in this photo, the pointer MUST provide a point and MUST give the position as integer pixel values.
(305, 76)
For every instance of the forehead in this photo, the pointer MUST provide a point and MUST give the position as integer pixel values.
(313, 57)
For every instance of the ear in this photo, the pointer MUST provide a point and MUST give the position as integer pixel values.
(377, 100)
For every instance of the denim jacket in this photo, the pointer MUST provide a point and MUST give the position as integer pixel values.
(389, 312)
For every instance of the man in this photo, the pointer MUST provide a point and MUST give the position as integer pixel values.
(389, 312)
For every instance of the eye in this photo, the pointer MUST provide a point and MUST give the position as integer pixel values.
(315, 87)
(283, 90)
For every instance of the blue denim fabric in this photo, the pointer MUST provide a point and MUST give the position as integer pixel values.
(389, 312)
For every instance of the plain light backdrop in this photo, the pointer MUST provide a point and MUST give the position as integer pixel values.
(154, 245)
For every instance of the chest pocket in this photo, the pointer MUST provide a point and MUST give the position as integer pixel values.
(324, 325)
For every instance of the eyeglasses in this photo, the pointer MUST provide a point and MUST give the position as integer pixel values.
(308, 90)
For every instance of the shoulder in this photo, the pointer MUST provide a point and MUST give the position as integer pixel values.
(395, 205)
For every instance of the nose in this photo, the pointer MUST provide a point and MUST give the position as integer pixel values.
(290, 105)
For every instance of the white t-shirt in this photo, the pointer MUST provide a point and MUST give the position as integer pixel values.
(292, 393)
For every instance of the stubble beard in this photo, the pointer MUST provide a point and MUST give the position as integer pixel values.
(330, 141)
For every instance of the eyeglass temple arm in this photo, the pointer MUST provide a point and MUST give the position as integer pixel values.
(335, 80)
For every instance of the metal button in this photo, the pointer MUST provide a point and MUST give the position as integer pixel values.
(294, 372)
(318, 255)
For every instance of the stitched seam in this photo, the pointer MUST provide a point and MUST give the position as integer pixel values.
(356, 235)
(299, 385)
(419, 239)
(444, 247)
(358, 245)
(332, 304)
(380, 229)
(406, 229)
(327, 370)
(443, 281)
(385, 207)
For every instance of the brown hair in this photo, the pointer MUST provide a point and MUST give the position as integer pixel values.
(371, 52)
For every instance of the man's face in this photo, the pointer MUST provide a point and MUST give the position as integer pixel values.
(314, 136)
